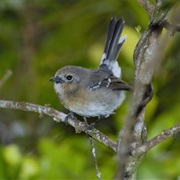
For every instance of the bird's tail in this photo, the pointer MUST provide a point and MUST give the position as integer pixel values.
(112, 47)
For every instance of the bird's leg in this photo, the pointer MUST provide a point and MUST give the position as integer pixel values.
(85, 120)
(92, 125)
(87, 125)
(70, 115)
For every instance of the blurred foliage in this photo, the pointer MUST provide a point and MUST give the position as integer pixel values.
(37, 37)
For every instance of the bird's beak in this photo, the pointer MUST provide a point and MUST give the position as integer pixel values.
(56, 79)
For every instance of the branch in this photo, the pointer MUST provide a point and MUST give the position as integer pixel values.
(146, 63)
(130, 137)
(156, 140)
(60, 117)
(147, 5)
(171, 27)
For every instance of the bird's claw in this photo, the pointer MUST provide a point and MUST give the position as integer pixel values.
(70, 115)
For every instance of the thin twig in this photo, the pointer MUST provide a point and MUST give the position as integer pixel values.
(93, 151)
(6, 76)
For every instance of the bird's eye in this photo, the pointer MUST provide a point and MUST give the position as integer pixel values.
(69, 77)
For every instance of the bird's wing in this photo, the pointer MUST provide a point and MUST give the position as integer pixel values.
(101, 79)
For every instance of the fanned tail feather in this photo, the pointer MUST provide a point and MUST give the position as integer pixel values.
(112, 47)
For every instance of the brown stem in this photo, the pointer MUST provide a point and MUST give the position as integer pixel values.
(156, 140)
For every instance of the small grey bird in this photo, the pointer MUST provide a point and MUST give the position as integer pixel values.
(95, 93)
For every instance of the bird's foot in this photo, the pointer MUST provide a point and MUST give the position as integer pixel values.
(71, 116)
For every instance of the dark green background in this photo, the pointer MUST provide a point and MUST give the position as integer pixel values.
(37, 37)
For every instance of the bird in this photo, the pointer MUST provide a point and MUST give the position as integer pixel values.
(95, 92)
